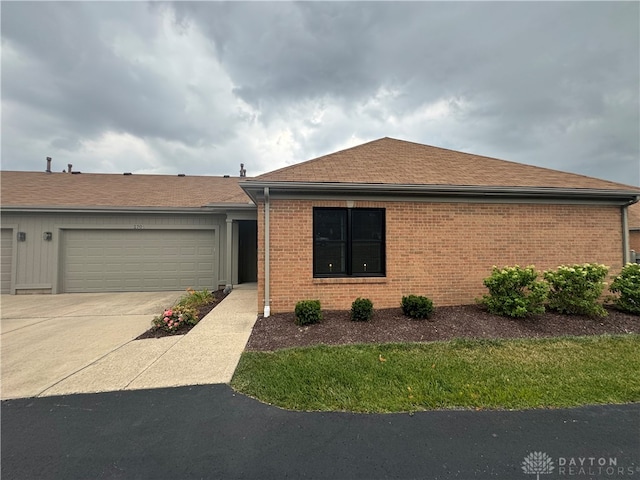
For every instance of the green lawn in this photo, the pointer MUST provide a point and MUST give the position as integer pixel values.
(481, 374)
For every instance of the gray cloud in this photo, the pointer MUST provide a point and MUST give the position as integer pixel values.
(202, 86)
(76, 66)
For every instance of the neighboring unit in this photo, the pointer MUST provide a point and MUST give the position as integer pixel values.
(82, 232)
(634, 229)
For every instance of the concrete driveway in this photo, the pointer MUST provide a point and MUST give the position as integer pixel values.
(83, 343)
(48, 338)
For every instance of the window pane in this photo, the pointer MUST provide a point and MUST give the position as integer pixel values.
(367, 224)
(348, 241)
(330, 224)
(330, 257)
(366, 257)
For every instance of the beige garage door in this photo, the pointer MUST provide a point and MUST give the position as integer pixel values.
(138, 260)
(6, 252)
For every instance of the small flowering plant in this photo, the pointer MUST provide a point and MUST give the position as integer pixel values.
(172, 319)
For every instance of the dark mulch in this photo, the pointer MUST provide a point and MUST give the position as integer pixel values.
(465, 321)
(203, 310)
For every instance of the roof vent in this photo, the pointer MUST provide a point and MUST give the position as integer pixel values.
(243, 171)
(48, 170)
(226, 176)
(127, 173)
(181, 174)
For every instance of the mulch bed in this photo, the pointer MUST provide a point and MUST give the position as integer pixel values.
(465, 321)
(203, 310)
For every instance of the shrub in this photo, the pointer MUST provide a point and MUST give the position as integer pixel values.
(514, 292)
(575, 289)
(361, 310)
(416, 306)
(174, 318)
(308, 312)
(627, 285)
(195, 298)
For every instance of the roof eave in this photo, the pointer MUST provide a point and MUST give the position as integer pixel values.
(222, 207)
(255, 188)
(119, 209)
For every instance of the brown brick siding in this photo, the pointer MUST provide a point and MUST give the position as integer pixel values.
(441, 250)
(634, 241)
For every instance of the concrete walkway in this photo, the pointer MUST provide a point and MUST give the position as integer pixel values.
(44, 358)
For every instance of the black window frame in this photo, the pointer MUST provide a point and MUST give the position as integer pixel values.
(349, 242)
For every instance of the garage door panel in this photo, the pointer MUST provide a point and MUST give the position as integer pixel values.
(132, 260)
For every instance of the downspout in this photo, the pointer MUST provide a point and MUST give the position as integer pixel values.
(267, 306)
(626, 252)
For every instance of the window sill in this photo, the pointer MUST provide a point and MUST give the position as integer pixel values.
(349, 280)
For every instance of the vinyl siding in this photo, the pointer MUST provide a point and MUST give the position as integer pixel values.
(38, 262)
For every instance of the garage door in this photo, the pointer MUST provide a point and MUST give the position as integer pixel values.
(138, 260)
(6, 250)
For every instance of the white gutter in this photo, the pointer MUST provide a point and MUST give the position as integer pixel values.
(253, 188)
(267, 293)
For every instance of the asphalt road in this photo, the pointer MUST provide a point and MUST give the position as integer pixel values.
(212, 432)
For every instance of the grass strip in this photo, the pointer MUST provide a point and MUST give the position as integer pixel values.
(467, 374)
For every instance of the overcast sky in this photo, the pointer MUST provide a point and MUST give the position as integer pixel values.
(198, 88)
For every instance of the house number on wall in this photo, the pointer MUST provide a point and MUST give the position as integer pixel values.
(138, 227)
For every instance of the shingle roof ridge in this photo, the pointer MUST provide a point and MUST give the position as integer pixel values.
(133, 174)
(321, 157)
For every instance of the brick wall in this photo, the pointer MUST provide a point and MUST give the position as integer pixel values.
(441, 250)
(634, 241)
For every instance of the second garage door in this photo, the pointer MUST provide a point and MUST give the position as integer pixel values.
(138, 260)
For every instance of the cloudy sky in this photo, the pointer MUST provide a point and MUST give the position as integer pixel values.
(200, 87)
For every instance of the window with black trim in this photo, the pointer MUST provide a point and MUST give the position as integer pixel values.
(348, 242)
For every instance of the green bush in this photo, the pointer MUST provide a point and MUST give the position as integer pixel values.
(361, 310)
(627, 285)
(575, 289)
(416, 306)
(514, 292)
(308, 312)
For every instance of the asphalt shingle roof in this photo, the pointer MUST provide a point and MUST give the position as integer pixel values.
(383, 161)
(391, 161)
(39, 189)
